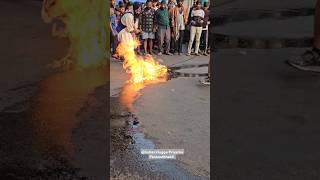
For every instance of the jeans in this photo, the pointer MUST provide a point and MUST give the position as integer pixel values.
(164, 34)
(179, 42)
(195, 33)
(114, 43)
(204, 40)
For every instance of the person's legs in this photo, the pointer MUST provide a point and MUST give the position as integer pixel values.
(150, 46)
(209, 69)
(181, 38)
(112, 43)
(145, 45)
(168, 38)
(161, 33)
(198, 36)
(115, 42)
(176, 45)
(192, 35)
(205, 41)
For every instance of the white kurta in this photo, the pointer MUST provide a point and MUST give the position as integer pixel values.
(125, 35)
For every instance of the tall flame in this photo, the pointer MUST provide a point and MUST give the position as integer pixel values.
(85, 25)
(141, 69)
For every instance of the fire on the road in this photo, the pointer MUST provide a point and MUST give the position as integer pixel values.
(141, 69)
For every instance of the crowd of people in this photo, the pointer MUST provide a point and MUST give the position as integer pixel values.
(160, 27)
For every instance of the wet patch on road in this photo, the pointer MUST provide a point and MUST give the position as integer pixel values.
(126, 142)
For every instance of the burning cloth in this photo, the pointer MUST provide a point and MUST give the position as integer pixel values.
(125, 35)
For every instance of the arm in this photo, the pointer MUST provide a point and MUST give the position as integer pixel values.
(173, 17)
(155, 20)
(185, 15)
(111, 27)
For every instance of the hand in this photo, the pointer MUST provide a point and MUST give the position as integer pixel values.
(137, 31)
(155, 29)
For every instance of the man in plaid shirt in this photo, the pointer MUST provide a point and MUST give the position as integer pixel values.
(147, 27)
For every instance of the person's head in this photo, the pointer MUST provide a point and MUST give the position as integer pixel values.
(170, 4)
(149, 4)
(112, 2)
(179, 3)
(206, 6)
(129, 6)
(198, 5)
(195, 3)
(117, 11)
(137, 8)
(163, 5)
(125, 1)
(122, 9)
(155, 3)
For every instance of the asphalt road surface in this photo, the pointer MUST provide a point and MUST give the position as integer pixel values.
(265, 117)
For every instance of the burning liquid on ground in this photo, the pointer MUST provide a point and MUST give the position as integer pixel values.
(143, 70)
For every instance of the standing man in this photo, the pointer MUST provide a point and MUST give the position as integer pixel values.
(163, 26)
(171, 6)
(113, 30)
(180, 20)
(197, 16)
(137, 19)
(205, 29)
(155, 7)
(147, 27)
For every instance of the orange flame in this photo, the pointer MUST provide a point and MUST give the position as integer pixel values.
(141, 69)
(85, 26)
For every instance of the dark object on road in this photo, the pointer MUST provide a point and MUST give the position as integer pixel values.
(308, 61)
(315, 69)
(172, 71)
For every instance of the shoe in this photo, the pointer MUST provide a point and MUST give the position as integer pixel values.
(160, 53)
(308, 58)
(205, 81)
(169, 54)
(188, 54)
(179, 54)
(197, 54)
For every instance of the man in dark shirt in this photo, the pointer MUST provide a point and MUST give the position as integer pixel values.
(147, 26)
(205, 29)
(163, 26)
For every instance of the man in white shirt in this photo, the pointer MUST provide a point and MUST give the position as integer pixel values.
(197, 16)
